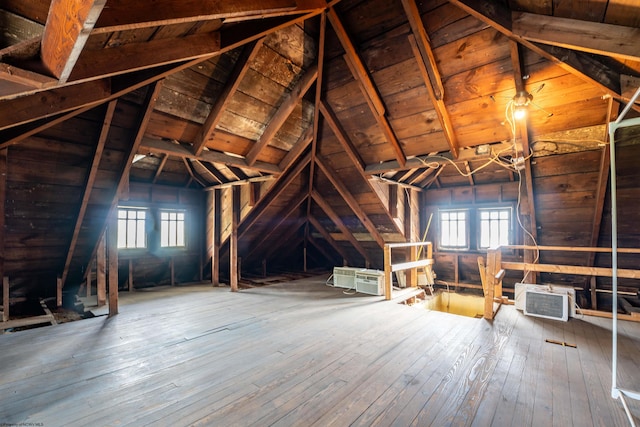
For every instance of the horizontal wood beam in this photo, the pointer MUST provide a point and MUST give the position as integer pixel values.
(137, 56)
(586, 36)
(68, 26)
(123, 15)
(570, 269)
(185, 151)
(14, 112)
(500, 148)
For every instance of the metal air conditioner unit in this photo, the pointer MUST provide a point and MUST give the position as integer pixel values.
(370, 282)
(546, 303)
(345, 277)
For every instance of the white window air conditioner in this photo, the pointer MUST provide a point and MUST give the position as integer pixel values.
(549, 302)
(345, 277)
(370, 282)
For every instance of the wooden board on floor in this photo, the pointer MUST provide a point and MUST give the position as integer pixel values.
(303, 353)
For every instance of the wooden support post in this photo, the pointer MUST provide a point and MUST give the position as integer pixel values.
(5, 298)
(101, 272)
(172, 272)
(88, 281)
(59, 292)
(492, 268)
(304, 257)
(233, 241)
(130, 275)
(456, 269)
(112, 248)
(264, 268)
(387, 272)
(413, 273)
(594, 294)
(215, 251)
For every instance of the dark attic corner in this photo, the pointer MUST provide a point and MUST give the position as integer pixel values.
(310, 212)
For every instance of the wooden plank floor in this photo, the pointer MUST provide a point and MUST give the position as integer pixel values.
(302, 353)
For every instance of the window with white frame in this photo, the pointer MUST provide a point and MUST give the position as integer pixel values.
(172, 229)
(495, 227)
(131, 228)
(454, 230)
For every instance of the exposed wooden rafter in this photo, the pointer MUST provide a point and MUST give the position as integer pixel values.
(147, 108)
(14, 112)
(298, 148)
(283, 218)
(91, 177)
(421, 46)
(335, 218)
(360, 73)
(351, 202)
(316, 109)
(184, 151)
(327, 237)
(240, 68)
(592, 37)
(136, 56)
(122, 15)
(341, 135)
(274, 192)
(579, 64)
(285, 109)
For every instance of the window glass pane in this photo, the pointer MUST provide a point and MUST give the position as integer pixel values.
(495, 227)
(131, 228)
(453, 229)
(172, 229)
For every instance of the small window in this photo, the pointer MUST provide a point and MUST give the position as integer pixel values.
(453, 229)
(495, 227)
(131, 228)
(171, 229)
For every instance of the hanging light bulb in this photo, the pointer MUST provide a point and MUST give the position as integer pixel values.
(520, 112)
